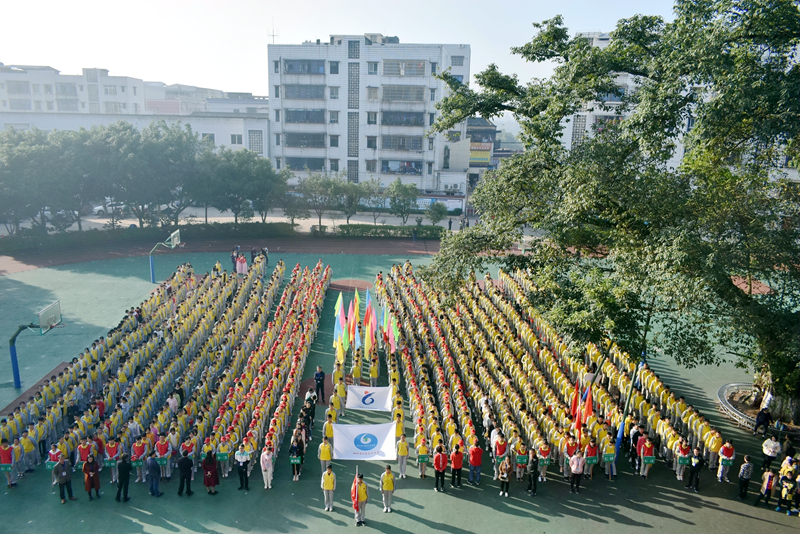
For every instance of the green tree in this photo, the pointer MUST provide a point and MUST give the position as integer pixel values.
(79, 182)
(319, 191)
(241, 176)
(697, 261)
(272, 193)
(294, 207)
(349, 197)
(402, 199)
(436, 212)
(375, 198)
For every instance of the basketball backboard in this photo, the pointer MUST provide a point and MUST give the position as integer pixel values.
(49, 317)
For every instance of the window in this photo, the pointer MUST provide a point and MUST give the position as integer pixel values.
(430, 167)
(334, 141)
(112, 107)
(49, 106)
(400, 67)
(334, 117)
(372, 165)
(122, 88)
(401, 142)
(48, 89)
(372, 117)
(67, 105)
(304, 140)
(110, 89)
(278, 160)
(334, 165)
(334, 67)
(372, 93)
(67, 89)
(303, 66)
(35, 88)
(401, 167)
(372, 67)
(459, 77)
(304, 92)
(277, 115)
(430, 143)
(312, 116)
(352, 171)
(446, 162)
(403, 93)
(372, 142)
(276, 67)
(334, 93)
(457, 61)
(208, 136)
(19, 88)
(255, 141)
(402, 118)
(433, 95)
(23, 104)
(433, 67)
(431, 118)
(236, 139)
(94, 94)
(37, 105)
(301, 164)
(277, 139)
(276, 91)
(134, 91)
(353, 49)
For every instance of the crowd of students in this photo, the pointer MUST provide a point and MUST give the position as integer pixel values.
(188, 380)
(532, 397)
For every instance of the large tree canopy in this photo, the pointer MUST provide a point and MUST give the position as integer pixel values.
(671, 229)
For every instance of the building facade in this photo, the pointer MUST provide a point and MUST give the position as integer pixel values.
(362, 105)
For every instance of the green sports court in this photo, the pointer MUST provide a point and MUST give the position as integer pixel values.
(94, 296)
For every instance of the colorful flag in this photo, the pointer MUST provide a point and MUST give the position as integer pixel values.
(338, 305)
(354, 492)
(575, 398)
(357, 300)
(340, 351)
(357, 339)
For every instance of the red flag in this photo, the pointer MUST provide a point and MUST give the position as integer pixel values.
(575, 399)
(588, 410)
(354, 493)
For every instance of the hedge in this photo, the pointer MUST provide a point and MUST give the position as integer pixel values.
(189, 232)
(371, 230)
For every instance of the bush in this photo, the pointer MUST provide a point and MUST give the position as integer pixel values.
(456, 212)
(190, 232)
(317, 230)
(370, 230)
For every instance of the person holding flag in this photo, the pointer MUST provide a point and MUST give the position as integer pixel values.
(359, 494)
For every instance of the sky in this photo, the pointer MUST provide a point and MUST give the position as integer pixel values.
(223, 45)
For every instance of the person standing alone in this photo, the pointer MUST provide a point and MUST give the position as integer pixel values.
(387, 488)
(242, 461)
(124, 468)
(576, 465)
(185, 466)
(328, 485)
(695, 465)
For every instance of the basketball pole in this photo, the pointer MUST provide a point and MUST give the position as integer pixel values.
(13, 348)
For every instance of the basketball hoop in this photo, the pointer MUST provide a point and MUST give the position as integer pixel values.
(171, 242)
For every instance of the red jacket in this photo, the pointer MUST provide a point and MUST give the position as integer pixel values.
(456, 459)
(440, 461)
(475, 456)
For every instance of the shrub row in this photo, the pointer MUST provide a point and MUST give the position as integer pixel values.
(371, 230)
(189, 232)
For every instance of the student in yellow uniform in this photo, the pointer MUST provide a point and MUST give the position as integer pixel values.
(324, 454)
(402, 455)
(387, 488)
(341, 392)
(422, 450)
(328, 485)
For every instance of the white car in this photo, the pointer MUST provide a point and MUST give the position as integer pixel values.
(118, 207)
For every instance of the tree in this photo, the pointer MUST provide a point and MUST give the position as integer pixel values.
(319, 190)
(435, 212)
(18, 192)
(375, 198)
(402, 199)
(79, 182)
(294, 207)
(706, 251)
(203, 188)
(272, 194)
(241, 176)
(349, 196)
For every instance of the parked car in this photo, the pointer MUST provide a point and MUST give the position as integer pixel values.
(118, 207)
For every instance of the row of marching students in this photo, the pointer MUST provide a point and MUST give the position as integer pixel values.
(137, 439)
(424, 351)
(658, 423)
(70, 405)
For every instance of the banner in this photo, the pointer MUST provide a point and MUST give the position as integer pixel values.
(364, 442)
(366, 398)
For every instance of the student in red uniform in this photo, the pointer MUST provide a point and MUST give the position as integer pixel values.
(140, 451)
(590, 451)
(439, 467)
(113, 452)
(475, 461)
(164, 450)
(7, 458)
(54, 455)
(544, 455)
(456, 463)
(647, 450)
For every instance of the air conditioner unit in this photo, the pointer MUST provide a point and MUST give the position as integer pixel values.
(446, 187)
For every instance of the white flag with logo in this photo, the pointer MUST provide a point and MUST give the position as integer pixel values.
(361, 398)
(364, 442)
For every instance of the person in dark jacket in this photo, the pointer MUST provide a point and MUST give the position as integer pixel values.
(185, 466)
(210, 476)
(62, 473)
(764, 418)
(695, 466)
(124, 468)
(154, 472)
(91, 476)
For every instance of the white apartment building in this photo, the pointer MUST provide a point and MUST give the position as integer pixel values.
(43, 98)
(362, 105)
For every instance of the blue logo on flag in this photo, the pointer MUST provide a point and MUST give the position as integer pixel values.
(365, 442)
(367, 399)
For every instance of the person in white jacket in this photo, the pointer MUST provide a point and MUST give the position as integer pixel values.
(267, 466)
(771, 449)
